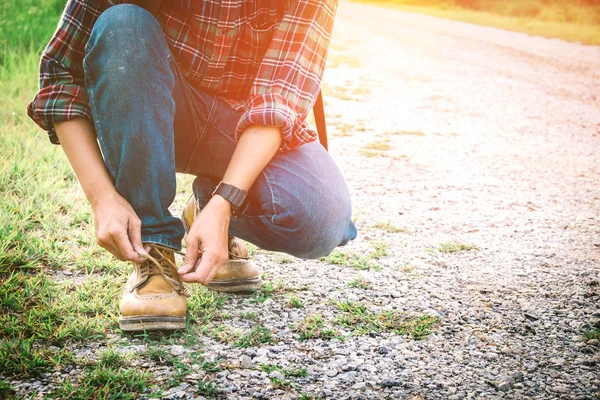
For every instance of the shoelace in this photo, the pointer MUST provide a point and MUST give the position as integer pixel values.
(153, 266)
(233, 245)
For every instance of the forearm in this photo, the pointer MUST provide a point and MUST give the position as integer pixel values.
(255, 149)
(208, 235)
(78, 140)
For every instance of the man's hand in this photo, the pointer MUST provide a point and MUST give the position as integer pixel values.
(206, 242)
(118, 228)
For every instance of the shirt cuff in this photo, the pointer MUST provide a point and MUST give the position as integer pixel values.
(58, 103)
(272, 109)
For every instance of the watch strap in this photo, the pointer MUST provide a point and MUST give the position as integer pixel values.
(234, 195)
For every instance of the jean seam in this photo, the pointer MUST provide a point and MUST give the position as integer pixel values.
(218, 129)
(200, 136)
(93, 111)
(161, 239)
(272, 196)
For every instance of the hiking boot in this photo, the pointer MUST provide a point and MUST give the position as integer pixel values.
(154, 297)
(238, 274)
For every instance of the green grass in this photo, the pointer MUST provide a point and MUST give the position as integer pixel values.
(307, 396)
(360, 283)
(389, 227)
(45, 222)
(255, 337)
(104, 382)
(576, 21)
(6, 390)
(378, 145)
(250, 315)
(367, 261)
(454, 247)
(26, 26)
(267, 291)
(314, 326)
(207, 388)
(357, 318)
(295, 302)
(287, 372)
(592, 334)
(204, 305)
(351, 259)
(25, 358)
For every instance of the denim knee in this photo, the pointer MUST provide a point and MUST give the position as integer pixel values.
(313, 232)
(124, 39)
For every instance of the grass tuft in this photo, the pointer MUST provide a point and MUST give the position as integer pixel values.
(593, 334)
(204, 304)
(454, 247)
(361, 321)
(256, 336)
(389, 227)
(360, 283)
(267, 290)
(314, 327)
(295, 302)
(207, 388)
(104, 382)
(27, 358)
(366, 261)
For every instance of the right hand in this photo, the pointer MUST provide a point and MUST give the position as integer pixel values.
(118, 228)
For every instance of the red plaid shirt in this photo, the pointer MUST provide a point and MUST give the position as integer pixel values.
(264, 57)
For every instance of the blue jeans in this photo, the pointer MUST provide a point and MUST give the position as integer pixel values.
(151, 124)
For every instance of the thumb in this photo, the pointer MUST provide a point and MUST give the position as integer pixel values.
(191, 255)
(135, 237)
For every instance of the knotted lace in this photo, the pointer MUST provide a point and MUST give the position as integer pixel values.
(158, 263)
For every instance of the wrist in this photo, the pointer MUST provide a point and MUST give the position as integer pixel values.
(221, 205)
(99, 197)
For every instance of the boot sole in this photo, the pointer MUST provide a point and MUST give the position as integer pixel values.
(235, 286)
(151, 323)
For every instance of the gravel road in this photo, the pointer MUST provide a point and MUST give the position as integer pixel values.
(453, 133)
(495, 141)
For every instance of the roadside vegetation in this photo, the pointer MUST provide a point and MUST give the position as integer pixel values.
(576, 21)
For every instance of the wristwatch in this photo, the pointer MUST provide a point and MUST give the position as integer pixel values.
(234, 195)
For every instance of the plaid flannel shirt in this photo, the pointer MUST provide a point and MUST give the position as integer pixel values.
(263, 57)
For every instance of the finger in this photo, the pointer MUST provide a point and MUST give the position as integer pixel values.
(213, 272)
(114, 250)
(123, 245)
(208, 267)
(199, 273)
(191, 255)
(192, 277)
(134, 231)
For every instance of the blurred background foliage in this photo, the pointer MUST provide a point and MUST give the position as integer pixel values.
(26, 26)
(586, 12)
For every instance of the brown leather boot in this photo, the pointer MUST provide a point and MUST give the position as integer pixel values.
(238, 274)
(154, 297)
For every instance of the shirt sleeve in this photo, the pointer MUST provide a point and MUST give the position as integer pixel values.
(290, 73)
(62, 95)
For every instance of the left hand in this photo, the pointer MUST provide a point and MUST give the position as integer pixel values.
(206, 242)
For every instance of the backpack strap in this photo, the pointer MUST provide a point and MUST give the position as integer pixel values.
(319, 114)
